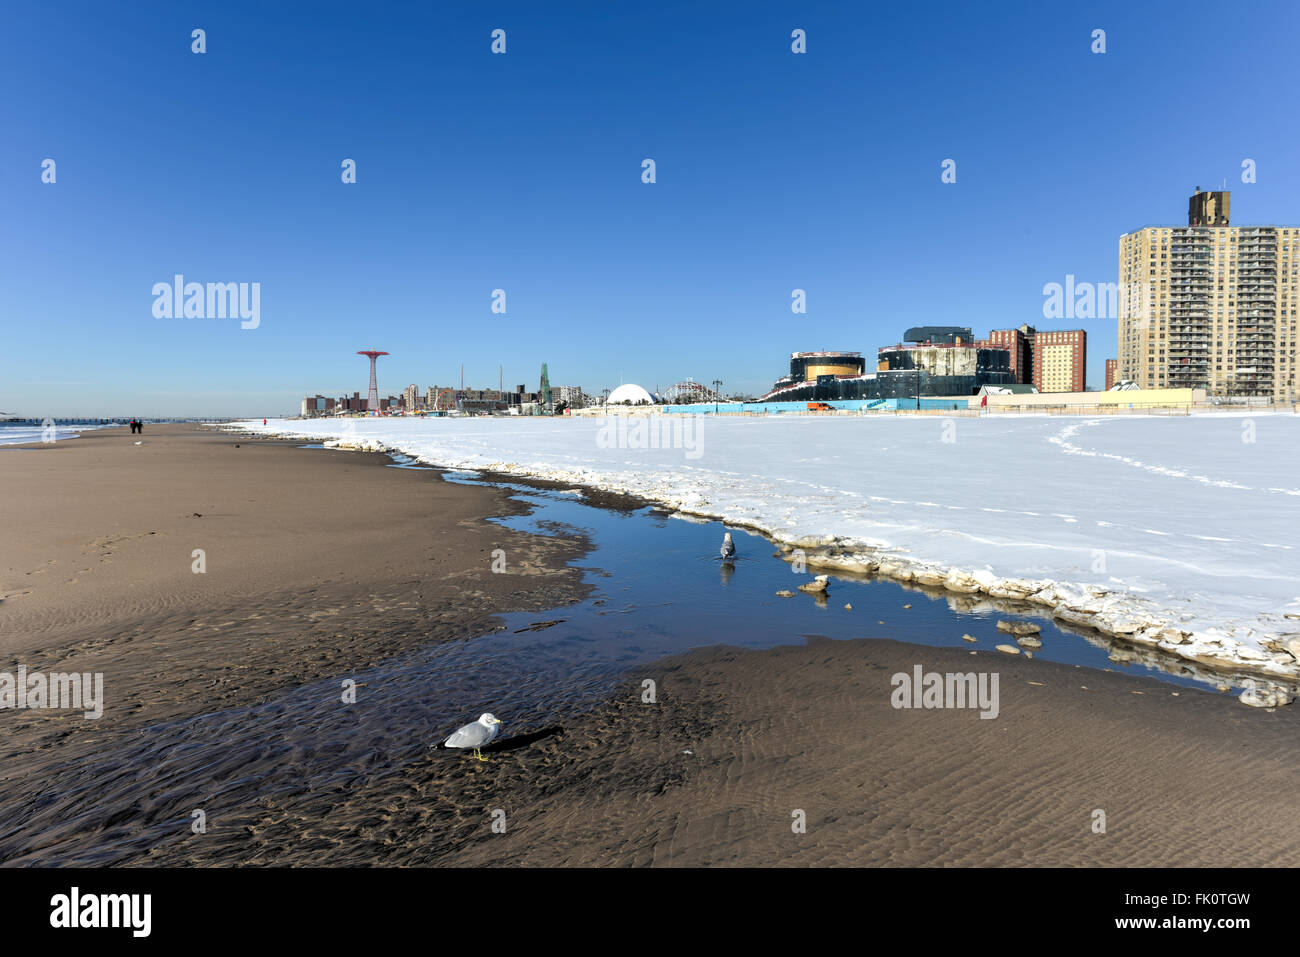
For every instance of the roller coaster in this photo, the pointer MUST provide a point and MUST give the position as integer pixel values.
(691, 392)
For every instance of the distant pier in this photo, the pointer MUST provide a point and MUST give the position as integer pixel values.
(123, 420)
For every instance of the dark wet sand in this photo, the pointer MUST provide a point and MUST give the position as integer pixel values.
(318, 563)
(321, 563)
(739, 740)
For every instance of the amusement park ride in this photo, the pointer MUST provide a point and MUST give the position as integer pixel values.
(691, 392)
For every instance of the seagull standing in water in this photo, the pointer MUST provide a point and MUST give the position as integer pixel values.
(475, 735)
(728, 547)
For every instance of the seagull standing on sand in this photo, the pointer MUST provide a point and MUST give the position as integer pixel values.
(475, 735)
(728, 547)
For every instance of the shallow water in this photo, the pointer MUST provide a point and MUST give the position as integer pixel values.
(663, 589)
(660, 589)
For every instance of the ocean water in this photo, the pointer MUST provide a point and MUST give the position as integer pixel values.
(22, 434)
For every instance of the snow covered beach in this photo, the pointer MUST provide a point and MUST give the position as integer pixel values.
(1170, 532)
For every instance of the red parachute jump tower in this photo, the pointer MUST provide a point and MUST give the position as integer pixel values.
(372, 403)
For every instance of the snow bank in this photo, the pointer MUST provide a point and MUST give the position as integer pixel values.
(1172, 533)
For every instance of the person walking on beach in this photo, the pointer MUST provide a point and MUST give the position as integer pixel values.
(134, 423)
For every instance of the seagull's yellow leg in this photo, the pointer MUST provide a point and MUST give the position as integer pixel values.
(479, 754)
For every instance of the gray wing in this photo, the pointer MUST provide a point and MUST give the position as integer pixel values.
(471, 736)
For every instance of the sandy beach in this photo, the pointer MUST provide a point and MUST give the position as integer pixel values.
(739, 741)
(97, 576)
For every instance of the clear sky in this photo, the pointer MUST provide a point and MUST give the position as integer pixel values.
(523, 172)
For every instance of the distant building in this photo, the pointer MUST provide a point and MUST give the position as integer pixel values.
(807, 368)
(955, 364)
(935, 361)
(939, 335)
(1020, 343)
(1051, 360)
(1210, 305)
(1111, 365)
(571, 395)
(317, 405)
(810, 365)
(519, 398)
(1060, 360)
(441, 397)
(483, 400)
(351, 405)
(411, 398)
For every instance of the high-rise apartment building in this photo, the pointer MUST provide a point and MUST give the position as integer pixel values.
(1111, 378)
(1210, 305)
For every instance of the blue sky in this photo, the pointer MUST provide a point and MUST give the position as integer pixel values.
(522, 171)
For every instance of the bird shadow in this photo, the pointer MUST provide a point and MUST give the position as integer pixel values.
(523, 740)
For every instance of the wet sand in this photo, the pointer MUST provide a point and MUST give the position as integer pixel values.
(740, 740)
(320, 563)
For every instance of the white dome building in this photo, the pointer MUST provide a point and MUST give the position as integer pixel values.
(630, 394)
